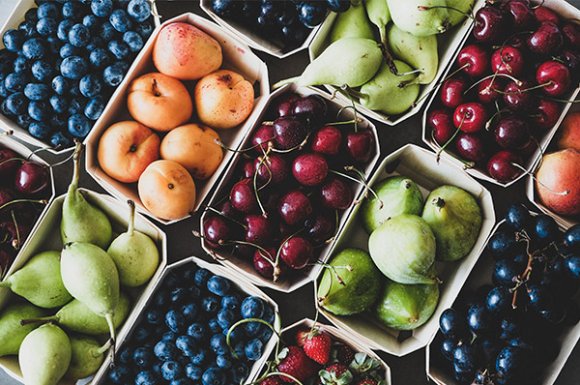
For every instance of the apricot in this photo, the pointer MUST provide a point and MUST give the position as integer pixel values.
(569, 132)
(558, 182)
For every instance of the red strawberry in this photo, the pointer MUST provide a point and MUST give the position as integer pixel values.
(336, 374)
(301, 337)
(317, 346)
(367, 381)
(272, 380)
(296, 363)
(343, 354)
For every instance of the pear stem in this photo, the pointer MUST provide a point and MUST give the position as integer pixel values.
(439, 202)
(111, 323)
(428, 8)
(131, 228)
(283, 82)
(15, 201)
(41, 320)
(74, 184)
(100, 351)
(386, 52)
(5, 284)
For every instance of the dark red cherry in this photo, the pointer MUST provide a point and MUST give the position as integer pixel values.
(545, 14)
(470, 117)
(501, 166)
(12, 235)
(284, 105)
(572, 60)
(571, 32)
(512, 133)
(312, 107)
(491, 24)
(336, 194)
(227, 209)
(441, 123)
(545, 116)
(8, 164)
(547, 39)
(507, 60)
(296, 253)
(289, 132)
(31, 178)
(471, 147)
(258, 229)
(294, 207)
(5, 196)
(310, 169)
(243, 196)
(556, 76)
(487, 89)
(517, 98)
(216, 230)
(321, 226)
(272, 168)
(327, 140)
(360, 146)
(248, 169)
(263, 262)
(475, 59)
(452, 92)
(263, 138)
(522, 15)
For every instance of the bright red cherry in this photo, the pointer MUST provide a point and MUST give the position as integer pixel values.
(310, 169)
(471, 147)
(321, 227)
(248, 169)
(296, 252)
(487, 89)
(517, 97)
(327, 140)
(470, 117)
(547, 40)
(31, 178)
(216, 230)
(284, 104)
(360, 146)
(272, 168)
(522, 14)
(501, 166)
(258, 229)
(545, 14)
(556, 76)
(294, 207)
(336, 194)
(263, 262)
(263, 138)
(441, 124)
(546, 115)
(507, 60)
(452, 92)
(243, 196)
(475, 59)
(490, 24)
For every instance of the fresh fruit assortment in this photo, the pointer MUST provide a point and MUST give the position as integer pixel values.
(167, 148)
(285, 198)
(509, 331)
(199, 327)
(396, 281)
(313, 354)
(507, 87)
(285, 23)
(380, 52)
(61, 65)
(25, 187)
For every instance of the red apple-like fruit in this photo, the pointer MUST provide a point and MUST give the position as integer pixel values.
(558, 182)
(569, 136)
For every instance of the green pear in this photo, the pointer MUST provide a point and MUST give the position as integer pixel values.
(81, 221)
(350, 284)
(351, 23)
(397, 195)
(39, 281)
(406, 307)
(44, 356)
(87, 356)
(380, 16)
(91, 276)
(455, 218)
(135, 254)
(11, 332)
(77, 317)
(403, 248)
(419, 51)
(350, 61)
(389, 93)
(458, 10)
(420, 17)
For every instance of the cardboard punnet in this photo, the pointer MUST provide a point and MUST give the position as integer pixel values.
(25, 152)
(480, 275)
(565, 10)
(241, 284)
(47, 237)
(252, 38)
(447, 46)
(563, 221)
(237, 57)
(7, 124)
(422, 167)
(244, 267)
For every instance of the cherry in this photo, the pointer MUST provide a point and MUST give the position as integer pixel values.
(243, 196)
(270, 199)
(227, 209)
(528, 150)
(272, 168)
(321, 226)
(284, 104)
(490, 24)
(508, 60)
(336, 194)
(544, 14)
(7, 165)
(571, 32)
(216, 230)
(470, 117)
(517, 98)
(452, 92)
(512, 133)
(441, 122)
(262, 138)
(31, 178)
(546, 115)
(289, 132)
(556, 76)
(500, 166)
(294, 207)
(296, 252)
(475, 59)
(312, 107)
(487, 89)
(572, 60)
(248, 168)
(310, 169)
(327, 140)
(547, 39)
(262, 264)
(5, 196)
(360, 145)
(471, 147)
(13, 235)
(523, 17)
(258, 229)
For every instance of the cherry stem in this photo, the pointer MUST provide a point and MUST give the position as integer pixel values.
(257, 189)
(490, 120)
(451, 139)
(297, 147)
(526, 171)
(209, 208)
(15, 201)
(346, 90)
(341, 123)
(17, 242)
(359, 181)
(493, 76)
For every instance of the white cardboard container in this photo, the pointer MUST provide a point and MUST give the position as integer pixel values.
(6, 124)
(242, 285)
(237, 56)
(245, 268)
(25, 152)
(420, 165)
(339, 335)
(565, 10)
(253, 39)
(448, 44)
(47, 237)
(563, 221)
(480, 275)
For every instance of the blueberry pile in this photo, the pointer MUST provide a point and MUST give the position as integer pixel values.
(288, 21)
(182, 336)
(60, 66)
(506, 334)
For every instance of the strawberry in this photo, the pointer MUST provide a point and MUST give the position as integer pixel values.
(343, 353)
(272, 380)
(296, 363)
(317, 346)
(301, 337)
(367, 381)
(335, 374)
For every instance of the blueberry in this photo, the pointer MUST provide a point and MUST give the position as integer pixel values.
(225, 318)
(214, 325)
(198, 357)
(4, 109)
(501, 243)
(102, 8)
(187, 344)
(125, 356)
(72, 10)
(68, 50)
(73, 67)
(24, 120)
(119, 49)
(42, 71)
(74, 89)
(6, 60)
(21, 64)
(253, 329)
(171, 370)
(15, 82)
(144, 29)
(139, 10)
(146, 378)
(218, 344)
(119, 375)
(539, 297)
(175, 321)
(201, 277)
(239, 372)
(223, 361)
(46, 26)
(143, 357)
(239, 349)
(505, 272)
(572, 238)
(59, 104)
(165, 350)
(231, 302)
(452, 324)
(91, 22)
(34, 48)
(236, 335)
(94, 108)
(518, 217)
(253, 349)
(3, 91)
(28, 27)
(213, 376)
(197, 331)
(48, 9)
(478, 319)
(545, 228)
(190, 312)
(266, 334)
(178, 295)
(113, 74)
(141, 333)
(193, 372)
(75, 107)
(225, 8)
(31, 15)
(58, 122)
(180, 381)
(13, 39)
(219, 285)
(16, 103)
(312, 14)
(210, 304)
(99, 58)
(78, 125)
(54, 45)
(90, 85)
(120, 20)
(63, 29)
(499, 300)
(269, 316)
(107, 32)
(133, 40)
(252, 307)
(39, 110)
(338, 5)
(59, 84)
(37, 91)
(79, 35)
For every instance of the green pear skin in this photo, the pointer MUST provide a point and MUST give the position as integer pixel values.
(379, 14)
(44, 355)
(458, 9)
(351, 285)
(349, 61)
(419, 51)
(11, 332)
(87, 357)
(351, 23)
(411, 16)
(39, 281)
